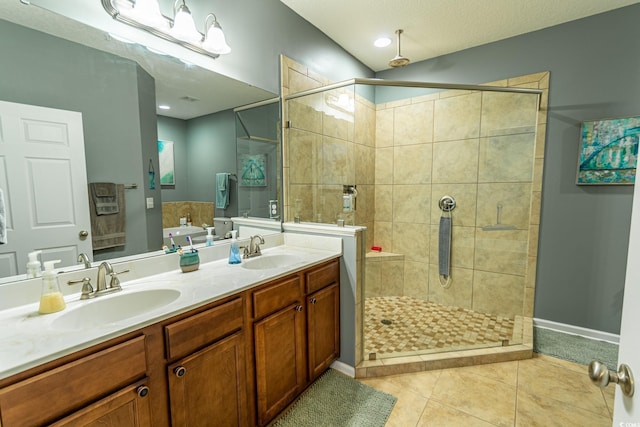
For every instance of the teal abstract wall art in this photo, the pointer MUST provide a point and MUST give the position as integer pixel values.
(166, 163)
(253, 170)
(608, 151)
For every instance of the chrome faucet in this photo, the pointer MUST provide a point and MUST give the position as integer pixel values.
(83, 258)
(254, 248)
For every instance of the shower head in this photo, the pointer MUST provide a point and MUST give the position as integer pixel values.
(399, 60)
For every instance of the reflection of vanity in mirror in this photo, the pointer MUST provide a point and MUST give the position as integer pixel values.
(116, 87)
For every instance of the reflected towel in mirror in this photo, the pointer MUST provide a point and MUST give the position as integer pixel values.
(222, 190)
(104, 198)
(108, 231)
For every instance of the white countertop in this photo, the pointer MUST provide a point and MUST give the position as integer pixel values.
(28, 339)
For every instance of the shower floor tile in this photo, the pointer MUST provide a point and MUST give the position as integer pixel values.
(400, 325)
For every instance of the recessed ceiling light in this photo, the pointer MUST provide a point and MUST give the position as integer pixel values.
(382, 42)
(164, 107)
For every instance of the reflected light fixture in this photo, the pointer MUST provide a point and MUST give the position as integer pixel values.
(182, 30)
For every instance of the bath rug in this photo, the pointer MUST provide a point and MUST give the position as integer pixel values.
(574, 348)
(336, 400)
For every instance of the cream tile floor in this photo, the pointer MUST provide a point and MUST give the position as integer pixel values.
(543, 391)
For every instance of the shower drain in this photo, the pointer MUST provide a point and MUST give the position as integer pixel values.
(386, 321)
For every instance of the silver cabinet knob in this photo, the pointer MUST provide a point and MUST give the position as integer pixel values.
(601, 376)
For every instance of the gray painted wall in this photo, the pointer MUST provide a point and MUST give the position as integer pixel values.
(595, 73)
(41, 70)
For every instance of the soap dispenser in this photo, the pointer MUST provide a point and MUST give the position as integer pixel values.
(34, 269)
(51, 299)
(234, 251)
(209, 241)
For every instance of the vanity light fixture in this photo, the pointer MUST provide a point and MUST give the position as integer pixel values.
(146, 15)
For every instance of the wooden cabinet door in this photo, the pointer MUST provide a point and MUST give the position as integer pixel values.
(323, 329)
(280, 360)
(208, 388)
(126, 408)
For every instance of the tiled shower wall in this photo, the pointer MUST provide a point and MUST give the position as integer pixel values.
(483, 149)
(480, 149)
(201, 213)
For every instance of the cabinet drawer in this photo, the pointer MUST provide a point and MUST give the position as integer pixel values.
(72, 386)
(186, 336)
(274, 297)
(323, 276)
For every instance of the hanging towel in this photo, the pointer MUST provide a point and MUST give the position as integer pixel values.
(3, 219)
(444, 246)
(222, 190)
(105, 198)
(108, 231)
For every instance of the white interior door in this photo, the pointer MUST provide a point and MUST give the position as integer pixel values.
(44, 179)
(627, 409)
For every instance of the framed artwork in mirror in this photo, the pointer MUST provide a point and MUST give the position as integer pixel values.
(253, 169)
(166, 163)
(608, 151)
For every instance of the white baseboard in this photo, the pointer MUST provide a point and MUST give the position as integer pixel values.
(344, 368)
(577, 330)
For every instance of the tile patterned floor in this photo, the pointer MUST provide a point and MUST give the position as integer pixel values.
(543, 391)
(400, 325)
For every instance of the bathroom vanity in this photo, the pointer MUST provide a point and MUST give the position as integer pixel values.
(236, 347)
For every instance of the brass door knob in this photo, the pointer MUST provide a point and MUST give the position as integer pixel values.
(83, 234)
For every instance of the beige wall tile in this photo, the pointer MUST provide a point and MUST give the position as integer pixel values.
(496, 293)
(501, 251)
(365, 124)
(457, 117)
(365, 164)
(337, 127)
(465, 196)
(530, 280)
(412, 203)
(412, 240)
(384, 165)
(455, 161)
(391, 278)
(303, 152)
(304, 117)
(384, 128)
(501, 110)
(337, 161)
(412, 164)
(514, 198)
(416, 279)
(413, 124)
(536, 203)
(384, 235)
(299, 82)
(384, 202)
(506, 158)
(459, 292)
(365, 204)
(373, 283)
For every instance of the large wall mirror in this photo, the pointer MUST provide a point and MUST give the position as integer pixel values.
(53, 62)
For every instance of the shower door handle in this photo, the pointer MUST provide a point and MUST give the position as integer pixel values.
(601, 376)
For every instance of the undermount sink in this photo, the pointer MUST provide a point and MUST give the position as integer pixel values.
(267, 262)
(105, 310)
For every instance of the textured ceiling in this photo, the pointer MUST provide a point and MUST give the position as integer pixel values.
(436, 27)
